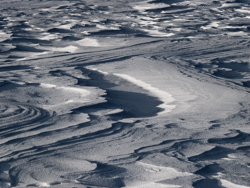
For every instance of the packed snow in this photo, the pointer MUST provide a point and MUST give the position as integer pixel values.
(133, 94)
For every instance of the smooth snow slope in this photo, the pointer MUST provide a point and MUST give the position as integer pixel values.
(136, 94)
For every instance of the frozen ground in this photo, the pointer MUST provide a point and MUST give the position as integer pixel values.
(130, 93)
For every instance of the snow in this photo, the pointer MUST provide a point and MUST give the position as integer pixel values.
(229, 184)
(132, 94)
(88, 42)
(156, 185)
(70, 48)
(145, 5)
(81, 91)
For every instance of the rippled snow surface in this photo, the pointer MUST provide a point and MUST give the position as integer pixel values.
(130, 93)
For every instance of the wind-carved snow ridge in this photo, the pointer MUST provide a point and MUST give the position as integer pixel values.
(164, 96)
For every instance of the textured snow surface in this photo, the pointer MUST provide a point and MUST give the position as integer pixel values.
(132, 93)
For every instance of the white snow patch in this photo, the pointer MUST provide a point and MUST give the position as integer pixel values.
(43, 184)
(142, 6)
(127, 120)
(168, 23)
(232, 27)
(179, 20)
(176, 29)
(171, 172)
(147, 22)
(229, 5)
(95, 69)
(157, 173)
(229, 184)
(243, 11)
(47, 85)
(88, 42)
(156, 33)
(114, 111)
(4, 36)
(213, 24)
(48, 37)
(70, 49)
(218, 175)
(83, 92)
(66, 26)
(96, 21)
(107, 28)
(230, 157)
(35, 28)
(85, 32)
(216, 10)
(69, 101)
(164, 96)
(147, 18)
(239, 33)
(153, 174)
(227, 159)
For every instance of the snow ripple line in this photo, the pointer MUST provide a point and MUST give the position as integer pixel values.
(17, 118)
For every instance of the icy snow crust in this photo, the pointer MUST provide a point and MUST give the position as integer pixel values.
(134, 93)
